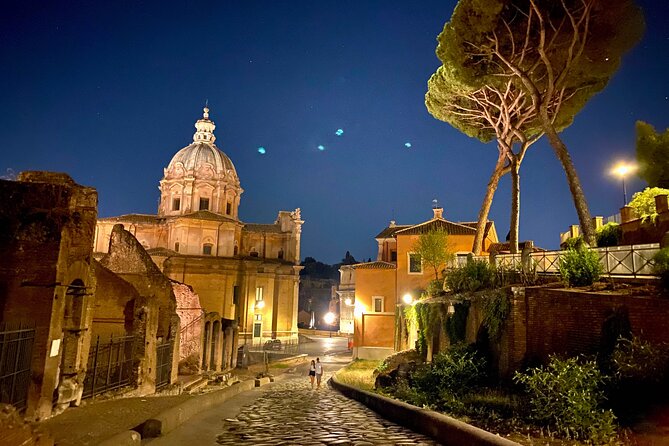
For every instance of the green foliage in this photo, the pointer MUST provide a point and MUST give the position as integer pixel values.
(573, 242)
(454, 372)
(580, 266)
(643, 202)
(661, 266)
(496, 308)
(434, 249)
(637, 360)
(652, 154)
(475, 275)
(455, 325)
(609, 235)
(567, 395)
(435, 287)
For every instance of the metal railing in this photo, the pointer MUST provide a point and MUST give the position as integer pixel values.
(109, 365)
(617, 261)
(16, 345)
(163, 364)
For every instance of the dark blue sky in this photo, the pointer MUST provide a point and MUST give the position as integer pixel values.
(109, 91)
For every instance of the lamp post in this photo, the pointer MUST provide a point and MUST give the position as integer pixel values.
(621, 170)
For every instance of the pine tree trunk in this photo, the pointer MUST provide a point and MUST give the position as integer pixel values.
(560, 149)
(515, 206)
(487, 203)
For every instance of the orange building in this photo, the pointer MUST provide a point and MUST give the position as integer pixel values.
(397, 271)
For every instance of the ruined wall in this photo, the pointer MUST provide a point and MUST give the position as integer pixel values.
(191, 316)
(155, 317)
(47, 224)
(114, 304)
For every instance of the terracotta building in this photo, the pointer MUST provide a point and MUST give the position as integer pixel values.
(379, 286)
(246, 275)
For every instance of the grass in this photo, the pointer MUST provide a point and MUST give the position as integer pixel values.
(359, 373)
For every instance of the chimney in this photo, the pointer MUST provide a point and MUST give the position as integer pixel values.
(574, 230)
(438, 213)
(598, 222)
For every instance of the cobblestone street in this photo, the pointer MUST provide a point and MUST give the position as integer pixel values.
(291, 413)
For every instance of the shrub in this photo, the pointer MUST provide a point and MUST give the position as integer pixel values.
(435, 287)
(475, 275)
(580, 266)
(643, 202)
(454, 372)
(566, 395)
(609, 235)
(637, 360)
(661, 267)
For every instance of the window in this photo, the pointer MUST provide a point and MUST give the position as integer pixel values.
(176, 246)
(280, 254)
(176, 204)
(257, 327)
(377, 302)
(206, 249)
(259, 291)
(204, 204)
(415, 264)
(253, 252)
(236, 250)
(228, 208)
(393, 256)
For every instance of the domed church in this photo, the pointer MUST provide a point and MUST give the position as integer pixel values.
(246, 274)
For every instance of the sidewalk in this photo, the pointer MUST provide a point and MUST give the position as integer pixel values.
(96, 421)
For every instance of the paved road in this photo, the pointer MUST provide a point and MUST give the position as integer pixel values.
(324, 345)
(289, 412)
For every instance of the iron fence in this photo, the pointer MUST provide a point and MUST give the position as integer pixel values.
(109, 365)
(16, 346)
(617, 261)
(164, 364)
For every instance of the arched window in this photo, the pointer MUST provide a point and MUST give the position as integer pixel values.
(204, 204)
(280, 254)
(253, 252)
(236, 250)
(206, 249)
(228, 208)
(176, 246)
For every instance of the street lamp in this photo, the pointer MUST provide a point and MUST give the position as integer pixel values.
(329, 318)
(621, 170)
(407, 299)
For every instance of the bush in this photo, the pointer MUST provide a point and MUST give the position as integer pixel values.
(643, 202)
(496, 308)
(435, 287)
(566, 395)
(661, 267)
(639, 361)
(475, 275)
(454, 372)
(609, 235)
(580, 266)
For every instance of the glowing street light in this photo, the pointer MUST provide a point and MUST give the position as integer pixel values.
(329, 318)
(621, 170)
(348, 301)
(407, 299)
(260, 304)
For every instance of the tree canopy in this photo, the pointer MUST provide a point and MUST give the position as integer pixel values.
(559, 53)
(434, 249)
(643, 202)
(652, 154)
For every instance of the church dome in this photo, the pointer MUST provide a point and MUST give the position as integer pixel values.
(202, 159)
(200, 177)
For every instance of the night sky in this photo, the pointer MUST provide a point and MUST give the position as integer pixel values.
(109, 91)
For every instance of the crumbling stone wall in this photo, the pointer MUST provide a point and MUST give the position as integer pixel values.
(192, 323)
(127, 258)
(47, 224)
(113, 312)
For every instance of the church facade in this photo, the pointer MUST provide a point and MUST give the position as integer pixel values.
(246, 274)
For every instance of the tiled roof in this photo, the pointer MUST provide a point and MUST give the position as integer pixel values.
(448, 226)
(375, 265)
(472, 224)
(391, 230)
(267, 228)
(134, 218)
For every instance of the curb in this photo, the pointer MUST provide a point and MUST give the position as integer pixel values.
(444, 429)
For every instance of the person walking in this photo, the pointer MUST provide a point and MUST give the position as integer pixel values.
(319, 372)
(312, 372)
